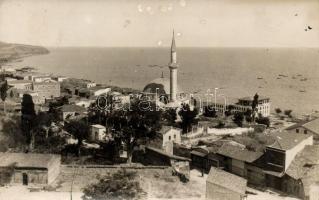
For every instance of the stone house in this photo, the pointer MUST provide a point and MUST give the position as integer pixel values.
(302, 175)
(69, 111)
(98, 133)
(29, 168)
(221, 185)
(280, 154)
(306, 127)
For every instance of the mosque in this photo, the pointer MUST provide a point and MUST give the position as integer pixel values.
(166, 91)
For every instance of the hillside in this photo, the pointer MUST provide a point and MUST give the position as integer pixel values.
(10, 52)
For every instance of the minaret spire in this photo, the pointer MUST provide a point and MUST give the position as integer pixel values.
(173, 46)
(173, 65)
(173, 50)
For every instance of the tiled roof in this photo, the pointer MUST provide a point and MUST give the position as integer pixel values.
(286, 140)
(297, 125)
(304, 161)
(305, 166)
(159, 151)
(251, 98)
(313, 125)
(26, 159)
(72, 108)
(227, 180)
(98, 126)
(165, 129)
(239, 152)
(19, 82)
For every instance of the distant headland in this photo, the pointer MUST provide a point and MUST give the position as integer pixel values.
(13, 52)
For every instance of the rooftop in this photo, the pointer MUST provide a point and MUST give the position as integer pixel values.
(251, 98)
(305, 166)
(165, 129)
(27, 159)
(312, 125)
(227, 180)
(98, 126)
(239, 152)
(18, 82)
(72, 108)
(286, 140)
(50, 82)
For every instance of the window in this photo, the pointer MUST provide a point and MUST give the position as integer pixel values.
(305, 131)
(297, 130)
(169, 138)
(174, 136)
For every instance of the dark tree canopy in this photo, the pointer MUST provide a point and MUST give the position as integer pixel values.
(120, 186)
(140, 121)
(3, 90)
(239, 119)
(188, 117)
(27, 105)
(78, 128)
(28, 117)
(170, 115)
(255, 102)
(209, 111)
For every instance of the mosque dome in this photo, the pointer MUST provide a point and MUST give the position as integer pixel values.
(163, 85)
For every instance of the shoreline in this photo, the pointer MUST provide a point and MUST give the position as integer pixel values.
(137, 82)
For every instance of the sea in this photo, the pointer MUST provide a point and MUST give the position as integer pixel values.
(289, 76)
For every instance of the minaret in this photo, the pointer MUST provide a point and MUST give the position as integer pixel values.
(173, 65)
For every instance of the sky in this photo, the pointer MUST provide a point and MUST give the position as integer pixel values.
(134, 23)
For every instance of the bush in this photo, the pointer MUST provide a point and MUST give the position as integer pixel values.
(121, 185)
(238, 119)
(288, 112)
(263, 120)
(278, 110)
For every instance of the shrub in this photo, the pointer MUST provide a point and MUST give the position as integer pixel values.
(288, 112)
(278, 110)
(121, 185)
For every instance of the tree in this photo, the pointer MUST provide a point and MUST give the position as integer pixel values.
(288, 112)
(28, 116)
(11, 94)
(79, 129)
(263, 120)
(3, 92)
(239, 118)
(248, 115)
(170, 115)
(228, 112)
(120, 186)
(254, 107)
(278, 110)
(188, 117)
(141, 120)
(209, 111)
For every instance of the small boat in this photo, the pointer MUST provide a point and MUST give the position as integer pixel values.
(302, 90)
(303, 79)
(278, 78)
(259, 77)
(282, 75)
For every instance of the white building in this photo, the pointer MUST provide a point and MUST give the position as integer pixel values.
(98, 132)
(41, 78)
(101, 91)
(20, 84)
(60, 78)
(170, 135)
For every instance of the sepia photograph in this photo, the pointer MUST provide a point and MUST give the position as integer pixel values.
(159, 99)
